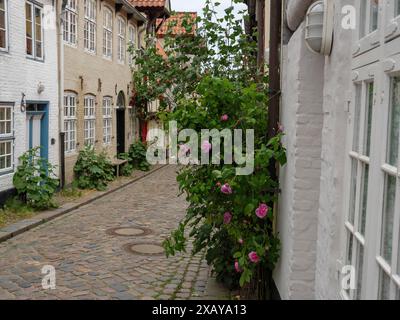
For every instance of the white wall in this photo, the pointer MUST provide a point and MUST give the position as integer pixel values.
(19, 74)
(301, 116)
(337, 94)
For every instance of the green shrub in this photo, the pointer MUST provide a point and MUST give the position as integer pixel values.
(34, 180)
(127, 169)
(137, 154)
(92, 170)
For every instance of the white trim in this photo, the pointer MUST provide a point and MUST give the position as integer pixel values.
(5, 49)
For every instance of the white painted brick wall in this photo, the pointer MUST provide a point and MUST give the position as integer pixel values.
(302, 118)
(19, 74)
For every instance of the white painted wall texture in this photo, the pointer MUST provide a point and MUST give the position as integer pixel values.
(302, 117)
(20, 74)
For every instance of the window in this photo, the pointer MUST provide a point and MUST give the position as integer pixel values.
(6, 138)
(397, 8)
(369, 12)
(70, 122)
(359, 182)
(34, 31)
(107, 33)
(121, 40)
(389, 254)
(107, 120)
(70, 22)
(3, 25)
(89, 32)
(132, 43)
(90, 119)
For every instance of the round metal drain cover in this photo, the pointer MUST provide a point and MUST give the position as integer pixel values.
(128, 231)
(145, 248)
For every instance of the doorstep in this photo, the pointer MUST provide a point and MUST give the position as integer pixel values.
(22, 226)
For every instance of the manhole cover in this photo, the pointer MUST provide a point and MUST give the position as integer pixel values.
(128, 231)
(145, 248)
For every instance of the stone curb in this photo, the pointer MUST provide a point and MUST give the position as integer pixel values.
(17, 228)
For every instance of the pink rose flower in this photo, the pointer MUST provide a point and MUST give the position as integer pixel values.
(225, 117)
(184, 148)
(241, 241)
(218, 184)
(227, 218)
(237, 267)
(262, 211)
(206, 146)
(254, 257)
(226, 189)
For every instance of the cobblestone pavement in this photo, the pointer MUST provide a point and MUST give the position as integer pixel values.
(91, 263)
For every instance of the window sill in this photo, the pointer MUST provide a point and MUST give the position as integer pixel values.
(41, 60)
(71, 45)
(92, 53)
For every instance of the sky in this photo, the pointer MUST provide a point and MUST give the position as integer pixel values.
(197, 5)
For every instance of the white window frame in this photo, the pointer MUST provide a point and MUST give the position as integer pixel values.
(107, 33)
(89, 105)
(132, 32)
(89, 30)
(380, 62)
(107, 119)
(8, 137)
(70, 32)
(392, 29)
(70, 121)
(5, 48)
(121, 28)
(34, 54)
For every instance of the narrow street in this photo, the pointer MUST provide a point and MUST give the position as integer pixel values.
(93, 259)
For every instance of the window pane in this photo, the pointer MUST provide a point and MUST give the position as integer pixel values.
(364, 199)
(2, 5)
(384, 286)
(397, 9)
(357, 111)
(368, 119)
(363, 15)
(374, 15)
(353, 189)
(2, 19)
(394, 123)
(359, 270)
(388, 214)
(349, 255)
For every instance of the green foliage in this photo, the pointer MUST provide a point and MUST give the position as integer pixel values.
(246, 232)
(92, 170)
(137, 156)
(128, 168)
(209, 47)
(35, 180)
(207, 75)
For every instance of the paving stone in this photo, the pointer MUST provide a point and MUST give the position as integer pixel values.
(90, 264)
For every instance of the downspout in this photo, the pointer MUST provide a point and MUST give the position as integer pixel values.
(274, 69)
(261, 35)
(60, 43)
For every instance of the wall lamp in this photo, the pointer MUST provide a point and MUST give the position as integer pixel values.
(319, 27)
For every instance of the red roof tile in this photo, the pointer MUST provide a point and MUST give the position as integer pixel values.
(176, 20)
(148, 3)
(160, 50)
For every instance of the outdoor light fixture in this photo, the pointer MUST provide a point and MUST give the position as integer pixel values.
(23, 102)
(319, 27)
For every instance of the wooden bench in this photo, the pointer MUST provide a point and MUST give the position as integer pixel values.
(118, 163)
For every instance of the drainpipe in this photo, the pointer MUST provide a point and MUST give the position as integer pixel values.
(274, 68)
(60, 43)
(261, 35)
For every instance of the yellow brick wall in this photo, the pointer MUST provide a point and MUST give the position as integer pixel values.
(82, 73)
